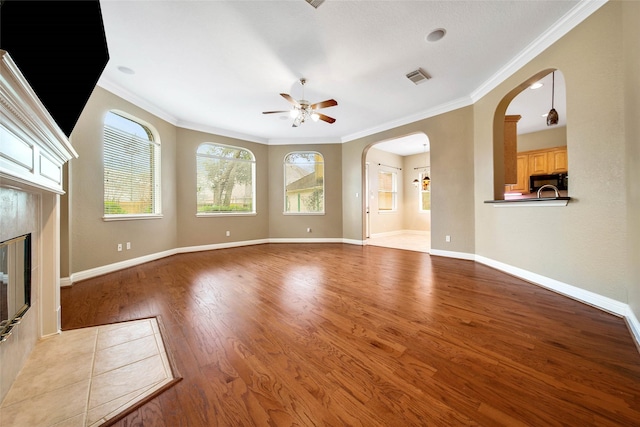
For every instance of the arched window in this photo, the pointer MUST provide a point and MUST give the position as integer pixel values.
(225, 180)
(131, 168)
(304, 183)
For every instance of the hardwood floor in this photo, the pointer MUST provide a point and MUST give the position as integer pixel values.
(335, 335)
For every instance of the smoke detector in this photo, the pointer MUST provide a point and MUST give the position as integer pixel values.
(418, 76)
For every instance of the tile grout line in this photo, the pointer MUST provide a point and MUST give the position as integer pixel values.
(93, 365)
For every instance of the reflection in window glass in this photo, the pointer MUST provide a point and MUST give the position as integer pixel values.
(304, 182)
(225, 179)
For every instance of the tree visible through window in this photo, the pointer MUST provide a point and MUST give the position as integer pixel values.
(225, 179)
(304, 182)
(387, 190)
(131, 168)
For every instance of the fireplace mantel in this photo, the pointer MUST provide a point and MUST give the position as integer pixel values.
(33, 148)
(33, 151)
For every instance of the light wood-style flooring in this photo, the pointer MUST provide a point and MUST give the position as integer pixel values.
(345, 335)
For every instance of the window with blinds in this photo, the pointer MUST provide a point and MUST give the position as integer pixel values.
(225, 180)
(387, 191)
(304, 183)
(131, 168)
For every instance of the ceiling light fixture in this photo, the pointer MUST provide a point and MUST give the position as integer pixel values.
(436, 35)
(552, 117)
(536, 85)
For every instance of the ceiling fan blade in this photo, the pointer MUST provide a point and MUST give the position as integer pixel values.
(324, 104)
(326, 118)
(273, 112)
(290, 99)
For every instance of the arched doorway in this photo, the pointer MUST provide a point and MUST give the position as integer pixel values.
(397, 210)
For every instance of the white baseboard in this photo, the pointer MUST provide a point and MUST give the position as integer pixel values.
(451, 254)
(604, 303)
(187, 249)
(110, 268)
(634, 325)
(307, 240)
(354, 242)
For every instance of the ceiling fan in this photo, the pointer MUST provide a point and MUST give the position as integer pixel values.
(303, 110)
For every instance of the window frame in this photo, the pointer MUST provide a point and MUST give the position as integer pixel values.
(421, 191)
(253, 163)
(285, 163)
(156, 172)
(393, 191)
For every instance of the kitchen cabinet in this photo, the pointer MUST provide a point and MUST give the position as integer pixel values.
(511, 148)
(522, 182)
(537, 162)
(558, 162)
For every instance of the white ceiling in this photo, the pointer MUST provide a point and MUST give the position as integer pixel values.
(217, 65)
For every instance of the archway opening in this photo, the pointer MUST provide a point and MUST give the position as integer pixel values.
(528, 151)
(397, 189)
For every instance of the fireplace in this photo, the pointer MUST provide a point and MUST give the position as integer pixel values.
(32, 155)
(15, 282)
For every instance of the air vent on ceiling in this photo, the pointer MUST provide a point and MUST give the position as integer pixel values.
(418, 76)
(315, 3)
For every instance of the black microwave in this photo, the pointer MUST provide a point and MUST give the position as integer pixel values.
(560, 180)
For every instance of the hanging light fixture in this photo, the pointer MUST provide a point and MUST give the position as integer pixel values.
(552, 117)
(425, 179)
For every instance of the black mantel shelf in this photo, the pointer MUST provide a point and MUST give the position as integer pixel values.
(530, 201)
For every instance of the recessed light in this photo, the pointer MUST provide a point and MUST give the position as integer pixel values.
(536, 85)
(436, 35)
(125, 70)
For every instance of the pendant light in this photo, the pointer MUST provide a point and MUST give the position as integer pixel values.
(552, 117)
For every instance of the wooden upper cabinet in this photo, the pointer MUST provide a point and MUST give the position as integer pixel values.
(558, 162)
(511, 149)
(539, 163)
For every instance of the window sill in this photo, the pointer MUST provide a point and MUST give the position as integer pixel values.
(219, 214)
(130, 217)
(537, 202)
(303, 213)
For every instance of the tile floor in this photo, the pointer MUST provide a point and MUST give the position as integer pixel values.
(86, 377)
(420, 242)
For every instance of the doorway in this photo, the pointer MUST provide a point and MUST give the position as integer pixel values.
(397, 209)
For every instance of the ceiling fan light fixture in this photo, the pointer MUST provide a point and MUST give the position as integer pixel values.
(293, 113)
(315, 117)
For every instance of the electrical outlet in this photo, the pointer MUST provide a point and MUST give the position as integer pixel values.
(128, 245)
(308, 229)
(228, 233)
(119, 247)
(447, 238)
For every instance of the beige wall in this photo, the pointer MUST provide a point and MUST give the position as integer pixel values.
(290, 226)
(414, 219)
(452, 197)
(549, 138)
(581, 244)
(94, 241)
(631, 53)
(196, 231)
